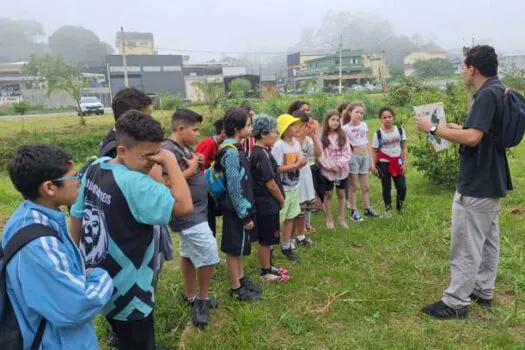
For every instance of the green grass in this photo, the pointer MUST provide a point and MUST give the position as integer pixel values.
(360, 288)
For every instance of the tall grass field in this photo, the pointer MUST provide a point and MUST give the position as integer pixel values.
(360, 288)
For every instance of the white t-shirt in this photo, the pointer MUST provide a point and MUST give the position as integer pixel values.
(391, 142)
(286, 154)
(308, 150)
(357, 134)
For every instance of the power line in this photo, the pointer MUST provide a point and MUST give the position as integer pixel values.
(309, 52)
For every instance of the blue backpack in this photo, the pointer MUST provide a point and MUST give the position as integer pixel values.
(214, 175)
(511, 128)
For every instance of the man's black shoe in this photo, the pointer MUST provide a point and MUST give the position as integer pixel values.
(441, 311)
(480, 301)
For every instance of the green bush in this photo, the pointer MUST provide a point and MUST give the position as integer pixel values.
(81, 144)
(440, 168)
(240, 87)
(166, 101)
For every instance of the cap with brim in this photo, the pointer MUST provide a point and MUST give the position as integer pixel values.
(284, 122)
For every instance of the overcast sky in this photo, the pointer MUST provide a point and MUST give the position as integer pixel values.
(274, 25)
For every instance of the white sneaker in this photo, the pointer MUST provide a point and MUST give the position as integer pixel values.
(388, 214)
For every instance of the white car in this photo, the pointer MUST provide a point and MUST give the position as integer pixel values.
(370, 87)
(90, 105)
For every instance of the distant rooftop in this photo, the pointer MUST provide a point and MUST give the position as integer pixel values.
(135, 36)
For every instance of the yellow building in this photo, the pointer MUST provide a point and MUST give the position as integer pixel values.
(136, 43)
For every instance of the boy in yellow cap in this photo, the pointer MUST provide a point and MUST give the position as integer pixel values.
(290, 159)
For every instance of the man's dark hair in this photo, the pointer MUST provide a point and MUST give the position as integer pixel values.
(134, 127)
(128, 99)
(219, 126)
(296, 105)
(185, 117)
(34, 164)
(235, 119)
(484, 59)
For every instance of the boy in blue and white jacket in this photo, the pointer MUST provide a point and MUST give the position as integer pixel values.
(47, 278)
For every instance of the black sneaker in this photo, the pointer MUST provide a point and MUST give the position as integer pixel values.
(213, 302)
(112, 339)
(305, 243)
(370, 213)
(440, 310)
(252, 287)
(480, 301)
(243, 294)
(200, 313)
(290, 255)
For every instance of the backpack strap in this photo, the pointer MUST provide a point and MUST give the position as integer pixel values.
(24, 236)
(379, 139)
(107, 148)
(19, 240)
(222, 152)
(400, 130)
(39, 334)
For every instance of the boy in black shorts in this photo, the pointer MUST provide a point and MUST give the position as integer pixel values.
(268, 193)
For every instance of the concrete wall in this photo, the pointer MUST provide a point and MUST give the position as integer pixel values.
(193, 93)
(58, 99)
(152, 74)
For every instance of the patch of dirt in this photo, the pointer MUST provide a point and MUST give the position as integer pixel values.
(518, 211)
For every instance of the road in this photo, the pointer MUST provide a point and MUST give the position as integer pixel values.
(47, 115)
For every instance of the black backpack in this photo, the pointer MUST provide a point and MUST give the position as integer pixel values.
(380, 137)
(510, 129)
(105, 151)
(10, 334)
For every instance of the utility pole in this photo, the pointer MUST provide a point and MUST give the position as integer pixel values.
(109, 84)
(260, 82)
(123, 42)
(341, 64)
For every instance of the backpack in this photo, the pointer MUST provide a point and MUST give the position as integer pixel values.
(10, 334)
(107, 149)
(511, 128)
(214, 176)
(380, 138)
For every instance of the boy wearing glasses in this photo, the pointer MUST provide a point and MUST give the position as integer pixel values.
(46, 281)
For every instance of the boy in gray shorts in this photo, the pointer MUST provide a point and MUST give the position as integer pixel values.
(198, 247)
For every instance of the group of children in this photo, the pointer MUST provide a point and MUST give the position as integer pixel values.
(109, 258)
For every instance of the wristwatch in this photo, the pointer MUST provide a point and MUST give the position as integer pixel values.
(433, 129)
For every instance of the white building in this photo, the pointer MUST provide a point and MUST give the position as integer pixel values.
(414, 57)
(513, 63)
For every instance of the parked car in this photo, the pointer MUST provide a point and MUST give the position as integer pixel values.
(370, 87)
(90, 105)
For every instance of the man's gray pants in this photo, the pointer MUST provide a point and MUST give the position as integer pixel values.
(474, 249)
